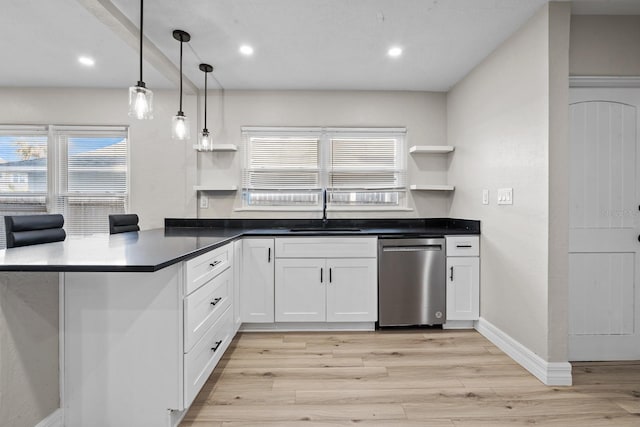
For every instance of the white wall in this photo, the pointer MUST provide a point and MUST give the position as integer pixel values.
(28, 347)
(605, 45)
(498, 120)
(422, 113)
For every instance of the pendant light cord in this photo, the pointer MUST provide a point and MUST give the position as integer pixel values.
(141, 23)
(181, 76)
(205, 100)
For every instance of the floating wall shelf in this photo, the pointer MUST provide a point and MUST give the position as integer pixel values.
(431, 149)
(215, 188)
(433, 187)
(219, 147)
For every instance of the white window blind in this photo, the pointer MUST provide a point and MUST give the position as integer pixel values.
(366, 170)
(23, 172)
(92, 177)
(282, 169)
(291, 167)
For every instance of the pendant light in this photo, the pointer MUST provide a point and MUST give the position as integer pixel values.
(205, 141)
(140, 98)
(180, 128)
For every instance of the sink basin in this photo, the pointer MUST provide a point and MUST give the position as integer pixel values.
(321, 230)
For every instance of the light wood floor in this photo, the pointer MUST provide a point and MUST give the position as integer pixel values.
(402, 378)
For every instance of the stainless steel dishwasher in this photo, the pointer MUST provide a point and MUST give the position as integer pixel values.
(411, 281)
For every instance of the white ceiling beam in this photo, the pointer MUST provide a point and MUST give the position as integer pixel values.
(111, 16)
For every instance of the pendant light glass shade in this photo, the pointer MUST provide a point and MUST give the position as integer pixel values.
(140, 98)
(205, 141)
(140, 103)
(180, 127)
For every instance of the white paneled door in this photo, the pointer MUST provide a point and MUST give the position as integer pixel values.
(604, 225)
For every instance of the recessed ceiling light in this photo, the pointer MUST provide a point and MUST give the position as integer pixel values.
(246, 50)
(86, 61)
(395, 51)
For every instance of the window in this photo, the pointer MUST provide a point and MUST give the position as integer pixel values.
(290, 168)
(91, 177)
(366, 169)
(282, 169)
(80, 172)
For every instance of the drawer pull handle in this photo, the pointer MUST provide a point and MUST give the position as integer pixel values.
(463, 246)
(216, 301)
(269, 255)
(214, 263)
(451, 276)
(215, 347)
(329, 275)
(321, 275)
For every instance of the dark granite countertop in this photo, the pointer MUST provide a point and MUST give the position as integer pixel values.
(152, 250)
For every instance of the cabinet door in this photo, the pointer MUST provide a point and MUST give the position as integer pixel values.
(256, 287)
(352, 290)
(463, 288)
(300, 290)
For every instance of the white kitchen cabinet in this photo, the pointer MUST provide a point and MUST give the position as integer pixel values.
(257, 280)
(300, 290)
(138, 347)
(311, 286)
(350, 294)
(463, 278)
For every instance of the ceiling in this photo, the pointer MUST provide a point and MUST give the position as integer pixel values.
(310, 44)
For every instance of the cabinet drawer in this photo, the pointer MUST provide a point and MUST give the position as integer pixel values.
(202, 359)
(204, 306)
(326, 247)
(463, 245)
(203, 268)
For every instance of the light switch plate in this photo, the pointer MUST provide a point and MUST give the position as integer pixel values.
(505, 196)
(485, 197)
(204, 202)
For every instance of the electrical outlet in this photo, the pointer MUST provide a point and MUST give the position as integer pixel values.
(485, 197)
(204, 202)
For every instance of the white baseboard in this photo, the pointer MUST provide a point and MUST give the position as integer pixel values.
(55, 419)
(308, 326)
(458, 324)
(550, 373)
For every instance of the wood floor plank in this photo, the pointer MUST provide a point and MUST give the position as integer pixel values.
(338, 397)
(327, 361)
(307, 373)
(341, 423)
(394, 378)
(587, 420)
(260, 413)
(498, 408)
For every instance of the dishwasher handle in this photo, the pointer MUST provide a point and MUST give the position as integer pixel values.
(414, 248)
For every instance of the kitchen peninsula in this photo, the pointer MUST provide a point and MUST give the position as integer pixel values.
(147, 315)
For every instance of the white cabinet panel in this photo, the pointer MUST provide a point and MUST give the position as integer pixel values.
(463, 288)
(326, 247)
(352, 294)
(237, 271)
(463, 245)
(256, 288)
(300, 290)
(203, 268)
(204, 306)
(202, 359)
